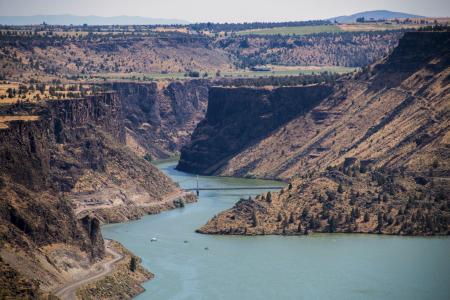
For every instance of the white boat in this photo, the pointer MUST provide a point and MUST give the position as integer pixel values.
(153, 239)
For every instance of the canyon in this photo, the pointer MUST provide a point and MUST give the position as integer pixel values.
(46, 53)
(372, 157)
(363, 152)
(66, 169)
(239, 117)
(161, 116)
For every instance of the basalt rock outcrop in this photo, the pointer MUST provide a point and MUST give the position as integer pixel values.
(373, 157)
(240, 117)
(60, 161)
(160, 117)
(122, 283)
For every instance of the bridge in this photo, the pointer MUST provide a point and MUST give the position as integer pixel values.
(197, 189)
(236, 188)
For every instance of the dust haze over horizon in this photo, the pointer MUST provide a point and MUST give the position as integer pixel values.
(222, 11)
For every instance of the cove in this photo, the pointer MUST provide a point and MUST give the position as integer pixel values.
(318, 266)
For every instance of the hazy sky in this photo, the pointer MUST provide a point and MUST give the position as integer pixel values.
(222, 10)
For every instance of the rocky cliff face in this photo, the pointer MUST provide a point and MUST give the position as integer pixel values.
(160, 117)
(372, 157)
(239, 117)
(61, 162)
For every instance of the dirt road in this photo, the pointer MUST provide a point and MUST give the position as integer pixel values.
(68, 291)
(168, 198)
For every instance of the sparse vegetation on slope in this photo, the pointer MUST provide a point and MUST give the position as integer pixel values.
(56, 170)
(350, 49)
(372, 157)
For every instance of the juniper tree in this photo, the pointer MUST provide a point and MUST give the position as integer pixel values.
(380, 221)
(331, 225)
(255, 219)
(133, 264)
(340, 189)
(291, 218)
(269, 197)
(279, 217)
(366, 217)
(305, 213)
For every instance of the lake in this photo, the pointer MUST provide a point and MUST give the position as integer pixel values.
(317, 266)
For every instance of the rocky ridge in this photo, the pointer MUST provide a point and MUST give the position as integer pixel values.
(240, 117)
(371, 158)
(160, 116)
(57, 158)
(122, 283)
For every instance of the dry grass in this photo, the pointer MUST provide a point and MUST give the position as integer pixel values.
(36, 95)
(376, 27)
(5, 119)
(345, 128)
(170, 29)
(146, 55)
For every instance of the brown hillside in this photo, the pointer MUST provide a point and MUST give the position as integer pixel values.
(395, 114)
(61, 174)
(159, 118)
(239, 117)
(373, 157)
(47, 57)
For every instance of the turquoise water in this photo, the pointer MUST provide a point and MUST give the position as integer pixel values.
(318, 266)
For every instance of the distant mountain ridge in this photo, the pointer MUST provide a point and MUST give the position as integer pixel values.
(375, 14)
(90, 20)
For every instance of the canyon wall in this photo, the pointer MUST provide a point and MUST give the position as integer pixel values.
(160, 116)
(33, 214)
(371, 158)
(64, 169)
(239, 117)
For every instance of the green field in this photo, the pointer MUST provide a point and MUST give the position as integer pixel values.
(136, 76)
(298, 30)
(303, 30)
(232, 74)
(290, 72)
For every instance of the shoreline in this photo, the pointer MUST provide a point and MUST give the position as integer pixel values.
(72, 289)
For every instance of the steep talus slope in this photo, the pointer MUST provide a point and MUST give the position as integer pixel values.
(361, 118)
(64, 168)
(38, 225)
(159, 118)
(373, 157)
(239, 117)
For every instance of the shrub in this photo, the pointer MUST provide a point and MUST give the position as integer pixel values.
(133, 264)
(194, 74)
(148, 157)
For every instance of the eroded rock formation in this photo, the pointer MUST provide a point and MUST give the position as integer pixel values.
(60, 162)
(237, 118)
(372, 157)
(160, 117)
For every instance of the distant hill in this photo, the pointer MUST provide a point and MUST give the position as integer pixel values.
(90, 20)
(375, 14)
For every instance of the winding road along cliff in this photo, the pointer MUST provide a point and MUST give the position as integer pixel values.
(68, 290)
(59, 155)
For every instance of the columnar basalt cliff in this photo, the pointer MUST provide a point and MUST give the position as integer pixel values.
(64, 169)
(160, 117)
(371, 158)
(240, 117)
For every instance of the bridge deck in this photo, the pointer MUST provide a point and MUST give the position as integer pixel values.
(235, 188)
